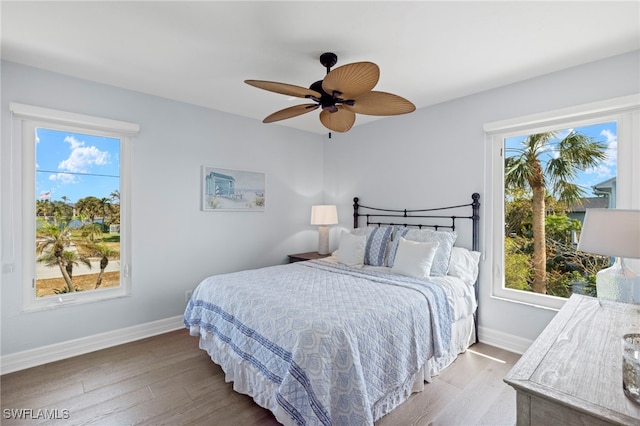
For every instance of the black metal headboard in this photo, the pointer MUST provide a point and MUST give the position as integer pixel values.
(430, 218)
(377, 216)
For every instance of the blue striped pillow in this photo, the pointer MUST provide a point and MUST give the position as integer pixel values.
(376, 248)
(401, 231)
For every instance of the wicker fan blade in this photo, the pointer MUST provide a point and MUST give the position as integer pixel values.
(284, 89)
(381, 103)
(290, 112)
(340, 121)
(352, 80)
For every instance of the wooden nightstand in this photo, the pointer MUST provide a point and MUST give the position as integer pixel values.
(300, 257)
(572, 373)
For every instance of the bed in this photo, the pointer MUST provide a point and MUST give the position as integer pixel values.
(346, 339)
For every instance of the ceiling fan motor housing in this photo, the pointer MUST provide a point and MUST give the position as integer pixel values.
(326, 101)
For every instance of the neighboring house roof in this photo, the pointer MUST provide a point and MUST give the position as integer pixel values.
(607, 184)
(608, 189)
(589, 203)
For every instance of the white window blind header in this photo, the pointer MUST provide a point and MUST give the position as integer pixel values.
(30, 112)
(549, 119)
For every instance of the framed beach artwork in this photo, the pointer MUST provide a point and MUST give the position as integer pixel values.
(233, 190)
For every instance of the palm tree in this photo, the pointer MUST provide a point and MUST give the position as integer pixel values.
(52, 244)
(542, 166)
(90, 231)
(53, 238)
(44, 208)
(114, 208)
(83, 218)
(105, 204)
(74, 258)
(61, 211)
(106, 252)
(70, 259)
(90, 206)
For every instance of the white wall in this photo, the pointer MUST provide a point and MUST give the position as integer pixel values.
(175, 244)
(428, 158)
(435, 156)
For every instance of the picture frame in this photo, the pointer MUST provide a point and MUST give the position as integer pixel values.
(226, 189)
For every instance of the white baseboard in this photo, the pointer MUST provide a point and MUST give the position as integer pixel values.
(45, 354)
(504, 341)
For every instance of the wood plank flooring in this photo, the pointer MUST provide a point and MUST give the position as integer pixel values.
(168, 380)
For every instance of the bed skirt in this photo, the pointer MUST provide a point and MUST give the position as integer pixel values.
(463, 335)
(247, 380)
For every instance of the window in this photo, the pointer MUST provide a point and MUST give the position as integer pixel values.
(77, 212)
(515, 225)
(75, 207)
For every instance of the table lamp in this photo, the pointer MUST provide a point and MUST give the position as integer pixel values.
(323, 216)
(616, 233)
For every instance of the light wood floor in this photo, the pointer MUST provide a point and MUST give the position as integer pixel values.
(167, 380)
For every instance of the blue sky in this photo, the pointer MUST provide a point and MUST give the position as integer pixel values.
(76, 165)
(606, 134)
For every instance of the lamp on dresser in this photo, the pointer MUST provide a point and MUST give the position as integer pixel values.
(323, 216)
(616, 233)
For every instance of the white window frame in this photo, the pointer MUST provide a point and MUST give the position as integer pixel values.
(27, 119)
(625, 111)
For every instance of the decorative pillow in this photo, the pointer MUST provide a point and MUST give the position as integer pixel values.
(446, 240)
(362, 231)
(414, 259)
(356, 231)
(400, 232)
(376, 248)
(464, 265)
(351, 249)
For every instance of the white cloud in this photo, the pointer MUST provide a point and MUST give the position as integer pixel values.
(607, 168)
(612, 147)
(82, 157)
(602, 171)
(64, 178)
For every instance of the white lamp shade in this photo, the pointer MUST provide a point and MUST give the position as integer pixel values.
(324, 215)
(611, 232)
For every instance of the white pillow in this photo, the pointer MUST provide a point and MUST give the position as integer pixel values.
(362, 231)
(446, 240)
(414, 259)
(464, 265)
(351, 249)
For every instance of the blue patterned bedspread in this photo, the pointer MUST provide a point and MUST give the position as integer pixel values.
(338, 345)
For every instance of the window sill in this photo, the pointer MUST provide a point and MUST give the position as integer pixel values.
(539, 301)
(55, 302)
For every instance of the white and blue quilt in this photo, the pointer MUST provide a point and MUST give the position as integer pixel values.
(319, 343)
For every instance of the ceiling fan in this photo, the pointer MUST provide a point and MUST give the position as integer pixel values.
(345, 91)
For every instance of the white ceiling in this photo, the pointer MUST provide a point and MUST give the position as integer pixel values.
(201, 52)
